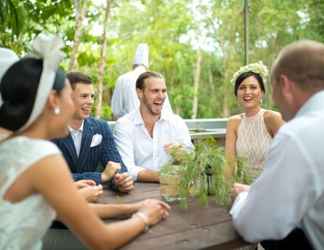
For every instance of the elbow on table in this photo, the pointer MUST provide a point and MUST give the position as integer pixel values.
(256, 232)
(245, 231)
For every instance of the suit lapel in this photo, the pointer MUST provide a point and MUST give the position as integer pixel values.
(68, 144)
(85, 143)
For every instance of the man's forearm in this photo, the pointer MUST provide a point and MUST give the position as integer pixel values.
(147, 175)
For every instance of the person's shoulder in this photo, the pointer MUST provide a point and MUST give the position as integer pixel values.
(125, 126)
(125, 76)
(23, 152)
(31, 146)
(234, 121)
(49, 147)
(271, 115)
(273, 120)
(235, 118)
(127, 120)
(173, 118)
(93, 120)
(174, 121)
(97, 123)
(306, 125)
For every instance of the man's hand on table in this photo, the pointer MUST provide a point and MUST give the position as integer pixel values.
(124, 182)
(110, 170)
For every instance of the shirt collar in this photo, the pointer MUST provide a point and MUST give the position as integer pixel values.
(138, 119)
(77, 130)
(165, 115)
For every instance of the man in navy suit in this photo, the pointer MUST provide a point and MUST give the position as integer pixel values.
(90, 150)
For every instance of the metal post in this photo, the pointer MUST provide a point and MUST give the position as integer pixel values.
(246, 32)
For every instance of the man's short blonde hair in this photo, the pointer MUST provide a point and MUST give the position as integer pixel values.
(303, 63)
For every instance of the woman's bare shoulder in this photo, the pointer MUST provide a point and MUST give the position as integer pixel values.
(273, 121)
(235, 118)
(234, 121)
(272, 116)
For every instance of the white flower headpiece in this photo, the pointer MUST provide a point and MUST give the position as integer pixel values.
(47, 47)
(258, 68)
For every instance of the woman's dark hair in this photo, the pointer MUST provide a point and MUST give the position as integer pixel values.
(140, 80)
(245, 75)
(18, 89)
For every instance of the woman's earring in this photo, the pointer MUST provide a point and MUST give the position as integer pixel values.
(57, 111)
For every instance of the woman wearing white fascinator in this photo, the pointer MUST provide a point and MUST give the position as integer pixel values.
(35, 183)
(7, 58)
(249, 134)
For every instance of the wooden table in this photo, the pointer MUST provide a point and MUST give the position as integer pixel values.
(196, 227)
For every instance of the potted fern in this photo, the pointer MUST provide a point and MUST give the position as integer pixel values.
(199, 174)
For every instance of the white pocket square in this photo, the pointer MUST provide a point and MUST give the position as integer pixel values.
(96, 140)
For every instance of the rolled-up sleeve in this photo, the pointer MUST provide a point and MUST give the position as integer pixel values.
(110, 151)
(125, 146)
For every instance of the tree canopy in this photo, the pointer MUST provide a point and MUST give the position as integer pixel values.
(183, 35)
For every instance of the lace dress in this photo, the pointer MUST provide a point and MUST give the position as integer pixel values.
(24, 223)
(253, 141)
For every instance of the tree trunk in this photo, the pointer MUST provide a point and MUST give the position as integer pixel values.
(196, 85)
(79, 16)
(226, 93)
(102, 60)
(226, 111)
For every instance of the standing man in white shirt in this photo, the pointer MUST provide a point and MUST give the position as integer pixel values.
(289, 193)
(124, 98)
(144, 135)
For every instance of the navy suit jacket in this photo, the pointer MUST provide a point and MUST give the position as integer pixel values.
(91, 159)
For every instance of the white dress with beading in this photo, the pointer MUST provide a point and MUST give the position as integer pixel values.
(23, 223)
(253, 141)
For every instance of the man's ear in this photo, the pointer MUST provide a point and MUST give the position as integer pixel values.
(139, 93)
(286, 85)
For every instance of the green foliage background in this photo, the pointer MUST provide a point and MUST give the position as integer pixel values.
(175, 30)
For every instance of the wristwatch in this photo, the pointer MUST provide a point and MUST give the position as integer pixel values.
(144, 219)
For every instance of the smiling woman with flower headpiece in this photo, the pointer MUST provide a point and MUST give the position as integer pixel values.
(249, 134)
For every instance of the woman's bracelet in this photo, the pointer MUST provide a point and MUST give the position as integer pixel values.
(145, 220)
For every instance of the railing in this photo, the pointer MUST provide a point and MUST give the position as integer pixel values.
(200, 128)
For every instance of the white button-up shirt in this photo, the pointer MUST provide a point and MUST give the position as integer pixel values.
(289, 193)
(125, 99)
(141, 151)
(76, 135)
